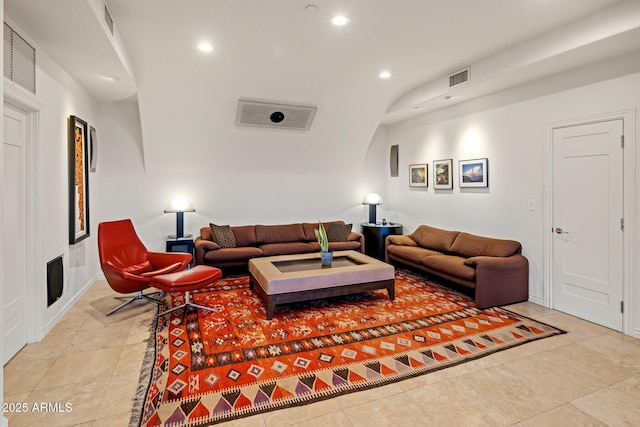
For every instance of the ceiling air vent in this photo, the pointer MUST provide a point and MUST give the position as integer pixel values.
(461, 77)
(108, 19)
(275, 115)
(19, 60)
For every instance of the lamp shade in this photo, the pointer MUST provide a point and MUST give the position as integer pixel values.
(372, 199)
(179, 205)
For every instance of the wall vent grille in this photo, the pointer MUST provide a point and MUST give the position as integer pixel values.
(19, 60)
(108, 19)
(459, 78)
(55, 280)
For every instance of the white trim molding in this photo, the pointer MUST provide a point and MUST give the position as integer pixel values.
(32, 109)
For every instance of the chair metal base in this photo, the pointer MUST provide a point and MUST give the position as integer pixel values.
(139, 296)
(185, 306)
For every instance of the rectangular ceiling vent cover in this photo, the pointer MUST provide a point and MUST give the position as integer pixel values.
(275, 115)
(19, 60)
(459, 78)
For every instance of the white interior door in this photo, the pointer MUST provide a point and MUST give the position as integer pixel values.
(14, 232)
(587, 222)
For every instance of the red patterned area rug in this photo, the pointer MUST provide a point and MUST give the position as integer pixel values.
(234, 363)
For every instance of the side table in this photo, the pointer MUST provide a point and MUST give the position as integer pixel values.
(375, 235)
(181, 244)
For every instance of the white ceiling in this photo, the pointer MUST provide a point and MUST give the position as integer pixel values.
(276, 50)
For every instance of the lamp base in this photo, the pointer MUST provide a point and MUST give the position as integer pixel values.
(372, 214)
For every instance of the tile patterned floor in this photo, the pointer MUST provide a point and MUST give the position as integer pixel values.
(588, 377)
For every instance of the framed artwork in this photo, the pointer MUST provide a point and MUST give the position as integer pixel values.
(78, 180)
(443, 174)
(474, 173)
(418, 176)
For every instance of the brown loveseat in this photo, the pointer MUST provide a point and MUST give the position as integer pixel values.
(495, 268)
(235, 246)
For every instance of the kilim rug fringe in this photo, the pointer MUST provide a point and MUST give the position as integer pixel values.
(145, 379)
(234, 363)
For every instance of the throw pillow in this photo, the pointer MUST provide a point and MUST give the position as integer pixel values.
(338, 232)
(223, 236)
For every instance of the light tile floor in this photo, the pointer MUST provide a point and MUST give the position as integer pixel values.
(588, 377)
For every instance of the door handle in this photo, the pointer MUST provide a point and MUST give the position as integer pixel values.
(559, 230)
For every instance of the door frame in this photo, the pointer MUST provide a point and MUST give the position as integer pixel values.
(629, 191)
(35, 277)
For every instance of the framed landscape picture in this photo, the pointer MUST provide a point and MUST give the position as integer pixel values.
(78, 180)
(474, 173)
(418, 176)
(443, 174)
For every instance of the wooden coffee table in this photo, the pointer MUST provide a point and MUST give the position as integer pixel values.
(293, 278)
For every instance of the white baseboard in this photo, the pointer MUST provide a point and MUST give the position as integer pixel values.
(536, 300)
(70, 304)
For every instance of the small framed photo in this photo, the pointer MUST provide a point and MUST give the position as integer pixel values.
(418, 176)
(443, 174)
(474, 173)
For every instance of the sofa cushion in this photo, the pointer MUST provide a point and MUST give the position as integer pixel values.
(470, 245)
(350, 245)
(140, 268)
(272, 249)
(279, 233)
(338, 232)
(434, 238)
(400, 239)
(245, 235)
(232, 254)
(310, 227)
(223, 236)
(205, 233)
(411, 253)
(450, 264)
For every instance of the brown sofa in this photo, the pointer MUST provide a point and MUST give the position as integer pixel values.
(494, 268)
(251, 241)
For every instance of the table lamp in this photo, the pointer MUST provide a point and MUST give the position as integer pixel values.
(179, 206)
(373, 200)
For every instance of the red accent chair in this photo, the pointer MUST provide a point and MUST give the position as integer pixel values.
(127, 264)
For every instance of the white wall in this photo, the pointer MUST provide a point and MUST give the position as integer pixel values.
(226, 191)
(62, 97)
(513, 138)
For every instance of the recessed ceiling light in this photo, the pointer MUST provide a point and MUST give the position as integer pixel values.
(384, 74)
(205, 47)
(340, 20)
(311, 8)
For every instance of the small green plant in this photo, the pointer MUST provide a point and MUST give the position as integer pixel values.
(321, 235)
